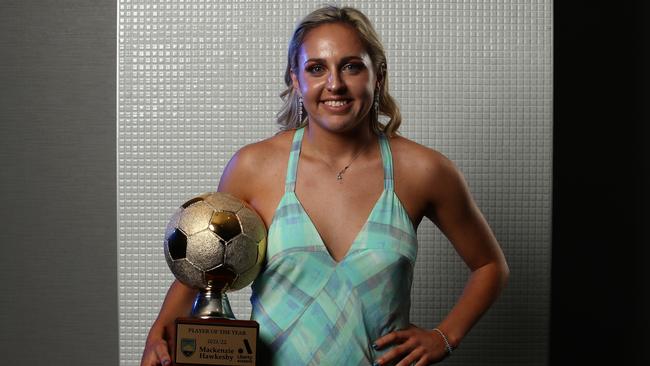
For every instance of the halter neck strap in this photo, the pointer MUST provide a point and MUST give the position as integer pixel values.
(387, 162)
(292, 167)
(294, 155)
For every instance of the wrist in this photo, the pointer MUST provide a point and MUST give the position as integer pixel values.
(448, 346)
(156, 332)
(453, 337)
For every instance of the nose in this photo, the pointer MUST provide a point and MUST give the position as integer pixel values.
(335, 82)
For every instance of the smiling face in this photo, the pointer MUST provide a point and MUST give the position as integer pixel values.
(336, 78)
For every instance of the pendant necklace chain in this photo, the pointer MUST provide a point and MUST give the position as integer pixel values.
(339, 175)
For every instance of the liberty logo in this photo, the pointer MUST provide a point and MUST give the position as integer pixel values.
(248, 348)
(188, 346)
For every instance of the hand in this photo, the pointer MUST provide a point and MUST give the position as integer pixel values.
(412, 345)
(156, 353)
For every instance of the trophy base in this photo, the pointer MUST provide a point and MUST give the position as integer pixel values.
(216, 341)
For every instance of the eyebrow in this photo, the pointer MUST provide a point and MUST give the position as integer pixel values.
(343, 60)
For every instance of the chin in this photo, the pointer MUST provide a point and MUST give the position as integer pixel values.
(340, 127)
(343, 124)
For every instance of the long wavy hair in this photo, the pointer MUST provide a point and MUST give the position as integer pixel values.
(288, 116)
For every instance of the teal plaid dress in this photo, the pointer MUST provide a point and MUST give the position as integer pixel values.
(313, 310)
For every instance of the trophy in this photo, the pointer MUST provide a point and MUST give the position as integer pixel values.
(215, 243)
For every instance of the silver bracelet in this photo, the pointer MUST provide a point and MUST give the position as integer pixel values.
(444, 338)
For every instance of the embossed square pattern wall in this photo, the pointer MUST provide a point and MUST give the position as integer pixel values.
(199, 79)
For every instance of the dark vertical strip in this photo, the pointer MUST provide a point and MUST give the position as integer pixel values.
(58, 280)
(600, 183)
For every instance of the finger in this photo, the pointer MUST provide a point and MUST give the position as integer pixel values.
(150, 359)
(390, 338)
(383, 341)
(171, 348)
(428, 358)
(394, 353)
(171, 340)
(149, 356)
(412, 357)
(163, 354)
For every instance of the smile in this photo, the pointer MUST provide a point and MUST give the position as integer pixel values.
(336, 103)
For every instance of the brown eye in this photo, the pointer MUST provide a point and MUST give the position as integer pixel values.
(353, 67)
(315, 69)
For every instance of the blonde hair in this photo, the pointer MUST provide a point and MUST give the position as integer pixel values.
(288, 116)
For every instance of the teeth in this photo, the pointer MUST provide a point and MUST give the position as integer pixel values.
(336, 103)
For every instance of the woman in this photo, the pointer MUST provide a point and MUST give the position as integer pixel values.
(342, 196)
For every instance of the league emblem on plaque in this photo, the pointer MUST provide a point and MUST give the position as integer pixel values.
(188, 346)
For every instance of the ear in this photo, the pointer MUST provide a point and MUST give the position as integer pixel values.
(295, 83)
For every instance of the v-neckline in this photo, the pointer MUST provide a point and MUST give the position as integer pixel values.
(323, 245)
(321, 241)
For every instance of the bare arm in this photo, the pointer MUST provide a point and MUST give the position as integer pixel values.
(160, 341)
(159, 345)
(450, 206)
(453, 210)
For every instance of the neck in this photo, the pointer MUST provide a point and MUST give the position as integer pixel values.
(336, 149)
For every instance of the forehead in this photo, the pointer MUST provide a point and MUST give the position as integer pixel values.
(332, 40)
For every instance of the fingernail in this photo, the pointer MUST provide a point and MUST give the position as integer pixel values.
(375, 347)
(166, 362)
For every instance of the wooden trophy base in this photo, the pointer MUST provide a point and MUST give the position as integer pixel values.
(217, 341)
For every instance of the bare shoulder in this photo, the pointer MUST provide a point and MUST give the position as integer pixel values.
(424, 177)
(262, 153)
(257, 168)
(418, 162)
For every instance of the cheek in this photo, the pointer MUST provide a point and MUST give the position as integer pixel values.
(365, 88)
(311, 89)
(301, 83)
(366, 92)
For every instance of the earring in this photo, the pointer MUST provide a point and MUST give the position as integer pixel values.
(299, 110)
(376, 105)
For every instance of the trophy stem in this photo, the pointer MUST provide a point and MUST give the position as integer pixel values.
(210, 304)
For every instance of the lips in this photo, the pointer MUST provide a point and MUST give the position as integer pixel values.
(337, 106)
(336, 103)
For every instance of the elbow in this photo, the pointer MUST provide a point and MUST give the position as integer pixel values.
(496, 272)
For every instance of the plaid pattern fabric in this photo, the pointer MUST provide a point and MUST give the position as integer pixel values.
(313, 310)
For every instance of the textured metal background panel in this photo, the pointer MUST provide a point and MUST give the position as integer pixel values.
(199, 79)
(58, 275)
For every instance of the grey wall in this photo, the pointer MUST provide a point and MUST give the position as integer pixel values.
(58, 287)
(199, 79)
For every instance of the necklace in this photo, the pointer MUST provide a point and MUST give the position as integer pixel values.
(339, 175)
